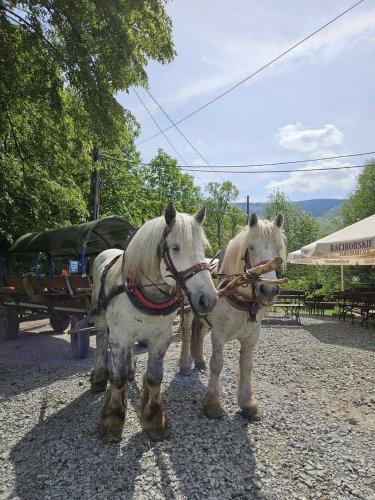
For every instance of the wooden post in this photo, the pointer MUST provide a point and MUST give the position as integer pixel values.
(248, 205)
(94, 203)
(342, 278)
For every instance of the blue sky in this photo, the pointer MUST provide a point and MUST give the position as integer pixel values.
(317, 101)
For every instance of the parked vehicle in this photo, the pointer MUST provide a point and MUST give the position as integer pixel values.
(55, 282)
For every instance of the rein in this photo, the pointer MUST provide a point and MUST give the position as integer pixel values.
(250, 276)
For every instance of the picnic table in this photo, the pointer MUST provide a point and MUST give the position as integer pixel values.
(291, 302)
(356, 302)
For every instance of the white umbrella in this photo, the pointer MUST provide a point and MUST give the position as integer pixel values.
(353, 245)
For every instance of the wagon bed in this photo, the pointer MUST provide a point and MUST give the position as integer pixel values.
(63, 298)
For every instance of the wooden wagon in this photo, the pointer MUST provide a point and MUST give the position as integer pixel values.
(55, 280)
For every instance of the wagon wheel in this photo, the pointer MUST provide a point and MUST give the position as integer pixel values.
(80, 341)
(59, 322)
(9, 324)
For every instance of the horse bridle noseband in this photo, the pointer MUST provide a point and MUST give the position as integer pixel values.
(181, 277)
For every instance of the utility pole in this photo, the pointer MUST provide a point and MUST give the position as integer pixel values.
(94, 203)
(248, 205)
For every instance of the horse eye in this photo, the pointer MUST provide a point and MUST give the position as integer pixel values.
(176, 248)
(251, 247)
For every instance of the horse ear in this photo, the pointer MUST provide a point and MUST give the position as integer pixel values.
(170, 214)
(253, 219)
(279, 220)
(200, 215)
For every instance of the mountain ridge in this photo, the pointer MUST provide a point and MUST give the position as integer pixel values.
(318, 207)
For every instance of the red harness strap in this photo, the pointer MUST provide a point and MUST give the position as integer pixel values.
(148, 303)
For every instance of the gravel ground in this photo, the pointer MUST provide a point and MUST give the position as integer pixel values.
(315, 439)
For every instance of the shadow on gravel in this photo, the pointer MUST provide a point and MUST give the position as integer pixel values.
(63, 457)
(345, 335)
(202, 458)
(50, 358)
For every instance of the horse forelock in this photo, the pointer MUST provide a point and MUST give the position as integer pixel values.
(142, 256)
(264, 231)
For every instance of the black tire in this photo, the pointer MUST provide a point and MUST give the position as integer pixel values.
(59, 322)
(80, 342)
(9, 323)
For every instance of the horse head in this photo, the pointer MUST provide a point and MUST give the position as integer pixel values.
(266, 241)
(183, 258)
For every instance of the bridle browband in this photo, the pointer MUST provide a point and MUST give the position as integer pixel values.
(180, 277)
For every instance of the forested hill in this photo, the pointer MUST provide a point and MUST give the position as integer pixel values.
(317, 208)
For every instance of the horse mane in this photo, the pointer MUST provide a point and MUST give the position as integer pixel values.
(265, 230)
(141, 256)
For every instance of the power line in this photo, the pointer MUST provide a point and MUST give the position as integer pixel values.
(181, 133)
(257, 71)
(157, 124)
(279, 171)
(164, 134)
(248, 165)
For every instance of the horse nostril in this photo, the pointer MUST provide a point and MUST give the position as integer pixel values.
(269, 290)
(202, 301)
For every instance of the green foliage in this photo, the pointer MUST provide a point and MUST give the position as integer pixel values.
(222, 218)
(300, 227)
(97, 48)
(163, 182)
(62, 64)
(361, 202)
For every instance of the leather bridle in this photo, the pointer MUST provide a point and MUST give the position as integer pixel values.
(181, 277)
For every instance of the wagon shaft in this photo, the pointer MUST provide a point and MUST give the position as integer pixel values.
(253, 275)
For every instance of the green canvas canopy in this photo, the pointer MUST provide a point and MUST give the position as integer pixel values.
(92, 237)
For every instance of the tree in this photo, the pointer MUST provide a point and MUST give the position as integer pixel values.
(62, 64)
(361, 202)
(163, 182)
(218, 200)
(97, 48)
(300, 228)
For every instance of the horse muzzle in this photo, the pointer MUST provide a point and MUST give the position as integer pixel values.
(204, 303)
(267, 294)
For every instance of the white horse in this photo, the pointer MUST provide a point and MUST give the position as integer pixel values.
(164, 251)
(237, 316)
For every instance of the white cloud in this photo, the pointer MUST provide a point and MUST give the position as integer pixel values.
(297, 138)
(318, 143)
(228, 56)
(338, 181)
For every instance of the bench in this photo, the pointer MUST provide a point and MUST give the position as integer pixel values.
(37, 288)
(291, 301)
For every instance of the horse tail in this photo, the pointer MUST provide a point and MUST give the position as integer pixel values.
(196, 332)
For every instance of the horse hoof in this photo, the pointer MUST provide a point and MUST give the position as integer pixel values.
(200, 366)
(212, 408)
(251, 412)
(159, 434)
(111, 430)
(98, 387)
(185, 372)
(110, 438)
(99, 379)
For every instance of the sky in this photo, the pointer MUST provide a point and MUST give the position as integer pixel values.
(318, 100)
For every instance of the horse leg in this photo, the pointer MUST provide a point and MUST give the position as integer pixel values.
(198, 332)
(211, 400)
(153, 415)
(246, 399)
(185, 357)
(122, 371)
(100, 374)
